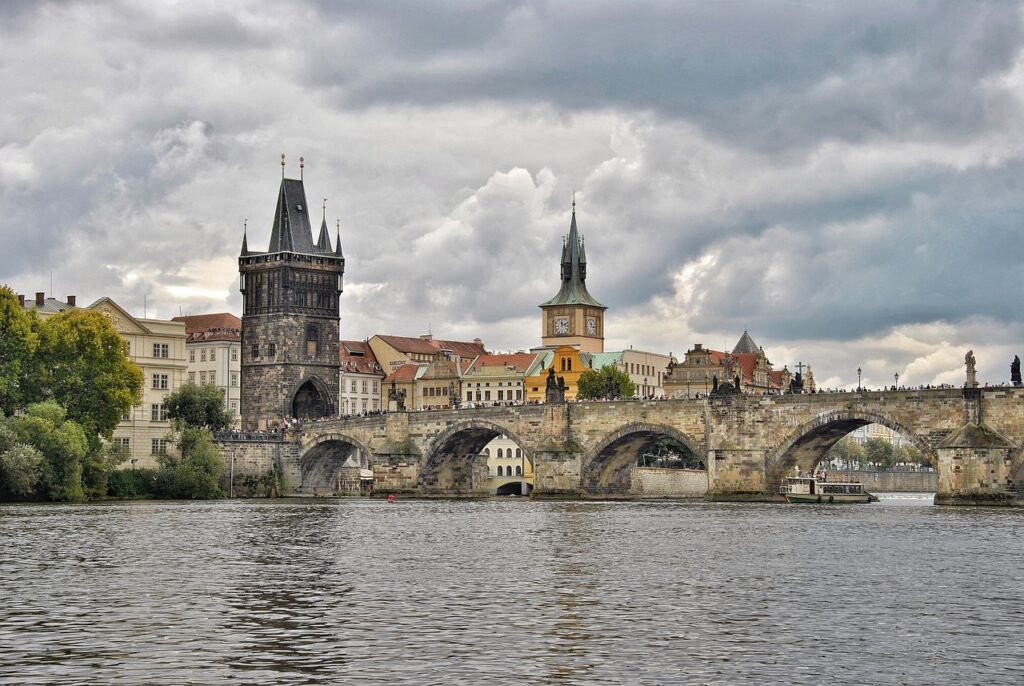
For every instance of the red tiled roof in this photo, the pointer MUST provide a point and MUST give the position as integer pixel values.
(407, 372)
(356, 356)
(521, 361)
(429, 346)
(208, 322)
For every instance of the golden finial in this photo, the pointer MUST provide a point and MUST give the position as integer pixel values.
(282, 165)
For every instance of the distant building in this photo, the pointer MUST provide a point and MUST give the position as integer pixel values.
(702, 367)
(290, 320)
(645, 369)
(496, 378)
(573, 317)
(509, 471)
(214, 346)
(568, 364)
(428, 385)
(394, 351)
(158, 347)
(360, 378)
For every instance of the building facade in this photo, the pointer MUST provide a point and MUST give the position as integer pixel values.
(394, 351)
(290, 318)
(567, 362)
(360, 378)
(214, 346)
(645, 369)
(702, 369)
(158, 347)
(573, 317)
(496, 379)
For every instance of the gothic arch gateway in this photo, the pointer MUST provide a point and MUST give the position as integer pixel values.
(312, 400)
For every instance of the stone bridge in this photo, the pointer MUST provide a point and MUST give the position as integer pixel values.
(586, 450)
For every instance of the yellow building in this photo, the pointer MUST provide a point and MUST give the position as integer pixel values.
(567, 362)
(509, 471)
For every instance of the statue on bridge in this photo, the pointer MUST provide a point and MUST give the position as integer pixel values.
(396, 399)
(1015, 371)
(554, 393)
(796, 384)
(972, 374)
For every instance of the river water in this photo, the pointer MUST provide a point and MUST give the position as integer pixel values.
(510, 591)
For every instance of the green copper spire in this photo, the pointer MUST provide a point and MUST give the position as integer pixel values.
(574, 271)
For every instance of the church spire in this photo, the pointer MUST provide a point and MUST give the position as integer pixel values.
(574, 270)
(338, 241)
(245, 231)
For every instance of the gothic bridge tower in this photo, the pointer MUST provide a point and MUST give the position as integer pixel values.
(290, 298)
(573, 317)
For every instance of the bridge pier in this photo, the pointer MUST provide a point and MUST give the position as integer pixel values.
(738, 474)
(975, 468)
(557, 474)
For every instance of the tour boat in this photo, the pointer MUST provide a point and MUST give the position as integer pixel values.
(836, 488)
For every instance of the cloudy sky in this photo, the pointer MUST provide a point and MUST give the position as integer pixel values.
(841, 178)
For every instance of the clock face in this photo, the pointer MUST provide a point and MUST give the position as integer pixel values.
(561, 325)
(591, 326)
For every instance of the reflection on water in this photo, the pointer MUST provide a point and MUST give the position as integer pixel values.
(504, 591)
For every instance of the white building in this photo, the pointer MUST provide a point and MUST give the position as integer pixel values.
(214, 346)
(361, 378)
(646, 370)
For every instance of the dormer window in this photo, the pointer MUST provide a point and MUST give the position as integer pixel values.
(298, 207)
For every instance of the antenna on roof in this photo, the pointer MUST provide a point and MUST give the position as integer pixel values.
(282, 165)
(302, 165)
(325, 210)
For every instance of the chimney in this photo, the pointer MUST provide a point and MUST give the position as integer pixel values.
(21, 300)
(427, 337)
(71, 301)
(40, 299)
(477, 341)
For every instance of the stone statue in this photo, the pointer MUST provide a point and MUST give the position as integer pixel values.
(714, 383)
(554, 393)
(1015, 371)
(972, 374)
(396, 399)
(401, 400)
(796, 384)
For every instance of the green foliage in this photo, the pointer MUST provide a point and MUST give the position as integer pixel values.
(845, 453)
(879, 452)
(18, 342)
(131, 483)
(196, 472)
(21, 465)
(83, 364)
(63, 444)
(198, 407)
(608, 382)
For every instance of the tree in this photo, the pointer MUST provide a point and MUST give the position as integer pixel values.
(879, 452)
(84, 365)
(18, 342)
(608, 382)
(64, 445)
(199, 407)
(21, 465)
(196, 472)
(846, 453)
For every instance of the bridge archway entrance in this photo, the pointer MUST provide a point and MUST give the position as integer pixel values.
(646, 460)
(464, 461)
(833, 439)
(335, 465)
(312, 400)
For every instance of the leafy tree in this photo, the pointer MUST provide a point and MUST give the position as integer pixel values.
(845, 453)
(84, 365)
(607, 382)
(879, 452)
(63, 444)
(21, 465)
(910, 454)
(196, 473)
(18, 342)
(199, 407)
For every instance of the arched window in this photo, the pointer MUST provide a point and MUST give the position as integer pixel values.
(500, 472)
(501, 453)
(487, 452)
(519, 452)
(519, 470)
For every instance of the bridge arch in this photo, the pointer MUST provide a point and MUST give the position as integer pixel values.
(331, 462)
(807, 445)
(606, 466)
(455, 465)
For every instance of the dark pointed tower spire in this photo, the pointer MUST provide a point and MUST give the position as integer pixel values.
(245, 242)
(574, 270)
(337, 251)
(323, 244)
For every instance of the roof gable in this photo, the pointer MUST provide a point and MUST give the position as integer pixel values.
(118, 316)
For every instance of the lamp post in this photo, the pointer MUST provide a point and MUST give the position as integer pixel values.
(858, 380)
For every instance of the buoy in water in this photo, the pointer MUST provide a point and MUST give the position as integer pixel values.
(391, 497)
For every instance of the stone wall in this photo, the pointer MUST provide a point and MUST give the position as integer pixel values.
(651, 482)
(897, 482)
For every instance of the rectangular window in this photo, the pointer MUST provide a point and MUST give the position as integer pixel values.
(191, 377)
(202, 355)
(159, 446)
(213, 355)
(161, 350)
(364, 385)
(202, 378)
(158, 413)
(234, 354)
(160, 381)
(501, 395)
(272, 350)
(123, 443)
(192, 355)
(126, 417)
(234, 378)
(487, 395)
(354, 385)
(376, 388)
(234, 407)
(255, 350)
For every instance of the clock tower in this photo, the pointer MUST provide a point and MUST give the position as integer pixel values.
(573, 317)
